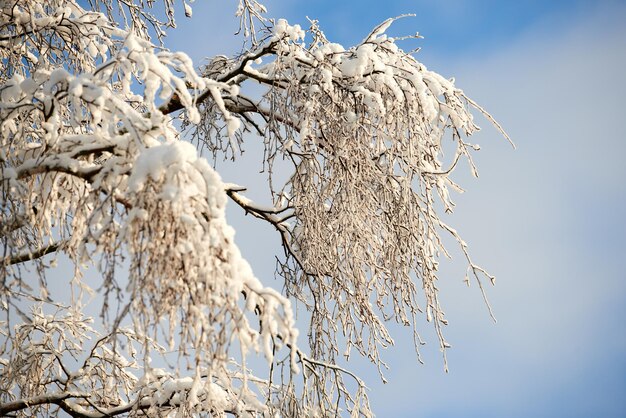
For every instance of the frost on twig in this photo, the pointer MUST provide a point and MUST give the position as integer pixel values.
(94, 171)
(366, 129)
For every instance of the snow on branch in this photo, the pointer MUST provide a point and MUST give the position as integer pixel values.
(95, 171)
(366, 129)
(90, 161)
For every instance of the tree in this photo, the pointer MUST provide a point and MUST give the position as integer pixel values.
(98, 170)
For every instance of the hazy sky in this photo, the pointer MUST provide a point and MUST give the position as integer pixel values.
(546, 219)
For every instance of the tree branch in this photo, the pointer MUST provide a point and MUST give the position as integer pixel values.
(58, 165)
(269, 215)
(174, 104)
(32, 255)
(51, 398)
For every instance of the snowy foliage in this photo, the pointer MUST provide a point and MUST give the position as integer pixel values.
(94, 171)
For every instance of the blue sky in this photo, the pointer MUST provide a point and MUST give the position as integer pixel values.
(547, 219)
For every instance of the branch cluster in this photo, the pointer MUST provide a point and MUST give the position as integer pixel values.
(94, 171)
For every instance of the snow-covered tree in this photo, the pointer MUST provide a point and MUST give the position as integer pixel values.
(98, 171)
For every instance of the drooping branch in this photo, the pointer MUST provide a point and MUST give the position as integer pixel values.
(269, 215)
(92, 158)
